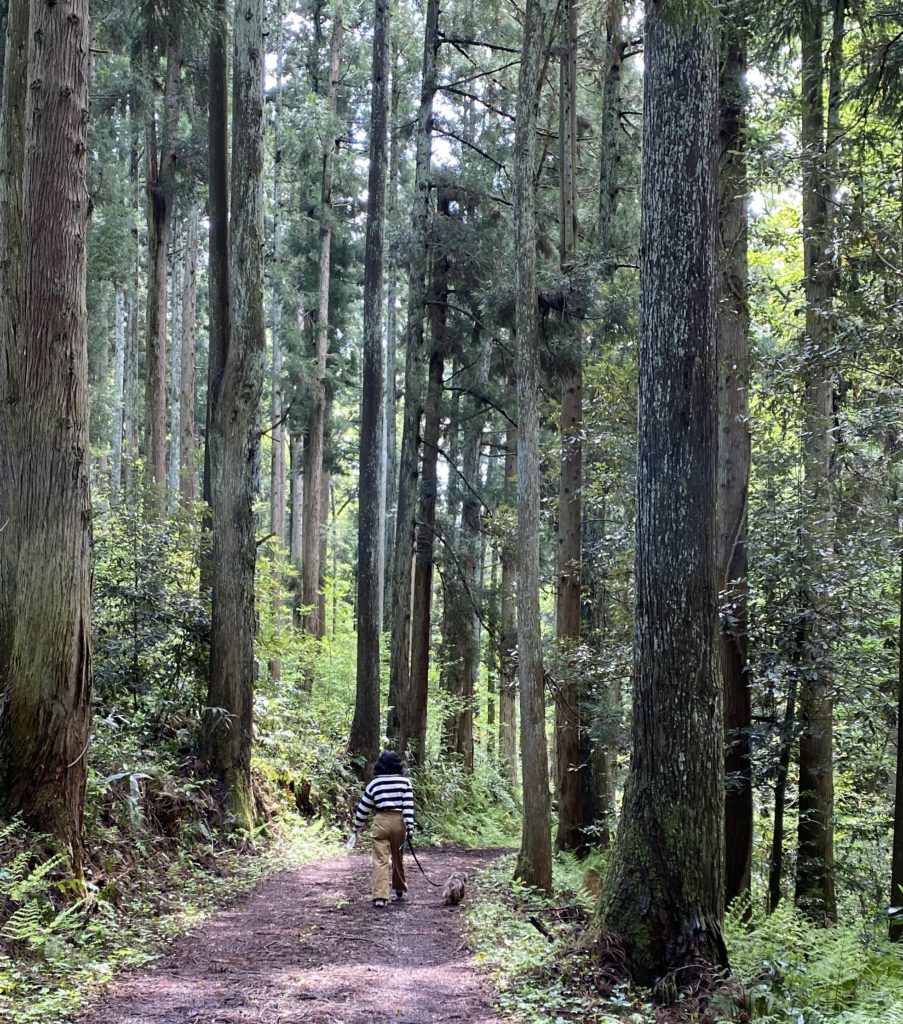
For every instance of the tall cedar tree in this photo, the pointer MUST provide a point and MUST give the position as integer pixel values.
(815, 839)
(234, 407)
(314, 490)
(664, 893)
(734, 464)
(365, 727)
(896, 873)
(45, 519)
(534, 862)
(406, 722)
(160, 155)
(570, 767)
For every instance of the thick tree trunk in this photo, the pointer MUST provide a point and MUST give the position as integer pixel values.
(160, 162)
(45, 540)
(534, 862)
(365, 727)
(815, 831)
(414, 383)
(235, 407)
(12, 303)
(567, 609)
(188, 487)
(664, 893)
(733, 466)
(315, 512)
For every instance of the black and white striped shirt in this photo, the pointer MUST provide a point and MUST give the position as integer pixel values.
(387, 793)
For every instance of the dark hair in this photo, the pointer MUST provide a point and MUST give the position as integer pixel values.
(388, 763)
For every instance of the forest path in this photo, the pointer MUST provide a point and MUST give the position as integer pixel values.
(307, 947)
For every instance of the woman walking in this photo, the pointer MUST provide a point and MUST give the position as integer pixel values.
(389, 797)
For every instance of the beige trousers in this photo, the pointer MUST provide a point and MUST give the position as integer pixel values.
(388, 845)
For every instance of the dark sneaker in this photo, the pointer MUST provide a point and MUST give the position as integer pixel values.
(397, 896)
(379, 903)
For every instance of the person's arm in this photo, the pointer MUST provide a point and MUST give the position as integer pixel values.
(365, 807)
(407, 808)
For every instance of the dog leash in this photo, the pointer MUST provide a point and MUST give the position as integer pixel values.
(438, 885)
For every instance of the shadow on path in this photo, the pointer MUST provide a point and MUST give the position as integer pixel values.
(307, 947)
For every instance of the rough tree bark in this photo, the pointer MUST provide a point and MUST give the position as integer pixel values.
(234, 409)
(664, 892)
(414, 384)
(45, 540)
(365, 727)
(12, 268)
(733, 464)
(534, 862)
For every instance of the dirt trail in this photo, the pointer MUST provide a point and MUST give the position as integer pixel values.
(307, 947)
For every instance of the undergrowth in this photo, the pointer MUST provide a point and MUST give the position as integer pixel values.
(791, 972)
(60, 940)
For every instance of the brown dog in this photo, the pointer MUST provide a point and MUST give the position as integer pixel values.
(453, 892)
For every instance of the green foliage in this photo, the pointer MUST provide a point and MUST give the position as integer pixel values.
(60, 940)
(459, 806)
(798, 971)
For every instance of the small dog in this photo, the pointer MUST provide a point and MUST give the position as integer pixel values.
(453, 892)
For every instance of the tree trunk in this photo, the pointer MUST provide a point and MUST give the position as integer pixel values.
(45, 543)
(234, 410)
(118, 395)
(315, 513)
(610, 133)
(508, 624)
(175, 370)
(188, 487)
(365, 727)
(815, 839)
(896, 871)
(599, 710)
(664, 893)
(534, 862)
(296, 487)
(733, 466)
(391, 354)
(414, 383)
(12, 303)
(776, 862)
(567, 618)
(413, 713)
(470, 589)
(160, 171)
